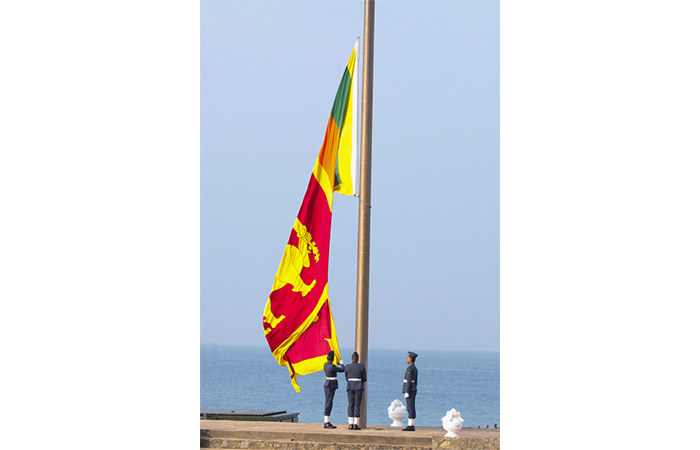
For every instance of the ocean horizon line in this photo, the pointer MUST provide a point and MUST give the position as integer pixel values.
(215, 344)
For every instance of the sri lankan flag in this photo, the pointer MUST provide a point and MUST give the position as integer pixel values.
(297, 320)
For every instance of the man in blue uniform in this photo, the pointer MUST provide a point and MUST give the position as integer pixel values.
(356, 375)
(330, 386)
(410, 389)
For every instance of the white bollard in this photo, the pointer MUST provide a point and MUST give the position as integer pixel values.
(452, 422)
(397, 412)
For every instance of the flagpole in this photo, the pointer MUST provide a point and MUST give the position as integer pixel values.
(362, 310)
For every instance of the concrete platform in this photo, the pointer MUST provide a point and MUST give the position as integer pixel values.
(310, 436)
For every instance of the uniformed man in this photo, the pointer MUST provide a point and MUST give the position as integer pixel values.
(330, 386)
(356, 375)
(410, 389)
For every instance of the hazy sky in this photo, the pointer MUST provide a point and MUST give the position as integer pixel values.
(269, 73)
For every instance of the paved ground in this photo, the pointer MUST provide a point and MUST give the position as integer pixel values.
(264, 429)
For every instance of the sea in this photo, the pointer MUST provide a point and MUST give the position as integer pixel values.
(234, 377)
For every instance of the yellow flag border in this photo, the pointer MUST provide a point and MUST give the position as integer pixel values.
(314, 364)
(281, 349)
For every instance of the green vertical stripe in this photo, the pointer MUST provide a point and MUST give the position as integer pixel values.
(338, 111)
(337, 180)
(341, 99)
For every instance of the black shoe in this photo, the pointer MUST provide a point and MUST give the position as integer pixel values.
(357, 427)
(409, 428)
(351, 426)
(329, 425)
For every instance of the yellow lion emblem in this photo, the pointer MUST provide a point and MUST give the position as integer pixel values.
(295, 259)
(289, 272)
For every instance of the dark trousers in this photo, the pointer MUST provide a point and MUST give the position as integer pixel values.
(411, 405)
(330, 393)
(354, 402)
